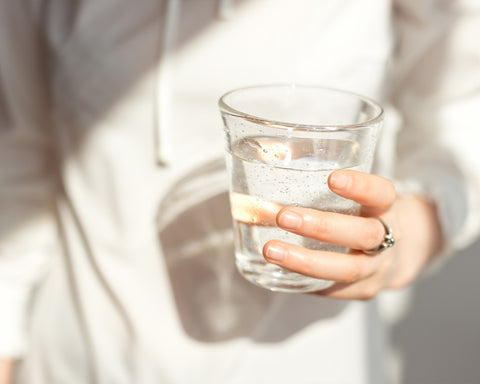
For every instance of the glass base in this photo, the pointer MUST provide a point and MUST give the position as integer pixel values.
(275, 278)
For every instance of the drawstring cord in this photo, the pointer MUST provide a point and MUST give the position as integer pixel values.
(162, 107)
(162, 101)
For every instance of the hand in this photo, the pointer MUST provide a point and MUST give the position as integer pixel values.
(6, 369)
(358, 275)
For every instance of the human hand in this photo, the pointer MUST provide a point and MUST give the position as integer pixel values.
(6, 369)
(358, 275)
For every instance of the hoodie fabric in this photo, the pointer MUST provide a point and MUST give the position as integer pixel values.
(116, 249)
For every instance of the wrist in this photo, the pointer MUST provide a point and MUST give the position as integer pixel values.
(420, 236)
(421, 210)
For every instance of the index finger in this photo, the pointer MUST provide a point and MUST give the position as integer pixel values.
(376, 194)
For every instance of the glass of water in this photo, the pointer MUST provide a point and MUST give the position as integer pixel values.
(282, 143)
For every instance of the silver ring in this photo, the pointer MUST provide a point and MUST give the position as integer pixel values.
(388, 240)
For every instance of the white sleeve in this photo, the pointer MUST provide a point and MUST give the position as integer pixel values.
(27, 232)
(437, 90)
(27, 220)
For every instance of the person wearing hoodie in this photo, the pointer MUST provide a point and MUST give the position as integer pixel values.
(116, 247)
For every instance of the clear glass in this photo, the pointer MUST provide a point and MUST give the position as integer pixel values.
(282, 142)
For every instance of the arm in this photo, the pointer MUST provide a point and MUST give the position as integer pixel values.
(435, 86)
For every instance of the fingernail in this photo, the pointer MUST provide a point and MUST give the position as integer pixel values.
(290, 220)
(339, 180)
(275, 252)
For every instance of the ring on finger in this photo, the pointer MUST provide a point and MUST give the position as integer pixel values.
(388, 239)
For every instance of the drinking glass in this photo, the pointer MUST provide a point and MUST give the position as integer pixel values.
(282, 143)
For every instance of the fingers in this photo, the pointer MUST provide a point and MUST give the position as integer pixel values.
(356, 275)
(374, 193)
(353, 232)
(363, 290)
(338, 267)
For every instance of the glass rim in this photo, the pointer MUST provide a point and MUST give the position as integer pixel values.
(229, 110)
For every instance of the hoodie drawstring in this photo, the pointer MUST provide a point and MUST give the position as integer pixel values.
(162, 100)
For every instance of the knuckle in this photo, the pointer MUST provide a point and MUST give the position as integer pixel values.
(390, 192)
(368, 292)
(393, 191)
(353, 273)
(321, 226)
(371, 237)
